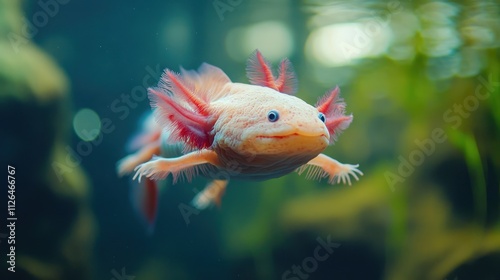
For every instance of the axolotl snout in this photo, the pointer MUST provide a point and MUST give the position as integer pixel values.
(248, 131)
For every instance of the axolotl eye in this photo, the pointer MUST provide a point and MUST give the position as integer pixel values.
(273, 115)
(322, 117)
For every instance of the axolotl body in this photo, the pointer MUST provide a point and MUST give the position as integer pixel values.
(225, 130)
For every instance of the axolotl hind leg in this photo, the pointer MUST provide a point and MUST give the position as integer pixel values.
(186, 165)
(324, 166)
(128, 163)
(212, 194)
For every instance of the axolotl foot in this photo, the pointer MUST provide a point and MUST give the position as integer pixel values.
(126, 165)
(323, 166)
(344, 172)
(154, 169)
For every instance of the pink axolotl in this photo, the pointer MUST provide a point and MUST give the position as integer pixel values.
(206, 124)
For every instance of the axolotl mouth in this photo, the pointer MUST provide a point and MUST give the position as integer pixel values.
(290, 144)
(289, 135)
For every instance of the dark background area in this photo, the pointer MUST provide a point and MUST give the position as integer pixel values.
(442, 222)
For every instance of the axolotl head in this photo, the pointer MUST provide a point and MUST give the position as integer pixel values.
(262, 121)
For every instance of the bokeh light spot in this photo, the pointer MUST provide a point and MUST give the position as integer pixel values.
(273, 38)
(341, 44)
(87, 124)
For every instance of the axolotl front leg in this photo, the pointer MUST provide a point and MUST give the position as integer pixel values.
(159, 168)
(324, 166)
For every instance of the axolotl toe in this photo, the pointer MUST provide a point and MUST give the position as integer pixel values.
(251, 131)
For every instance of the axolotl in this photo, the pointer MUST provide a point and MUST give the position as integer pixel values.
(208, 125)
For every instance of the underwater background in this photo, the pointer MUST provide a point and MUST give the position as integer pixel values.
(422, 79)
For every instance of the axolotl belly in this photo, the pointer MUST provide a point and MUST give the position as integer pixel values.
(232, 130)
